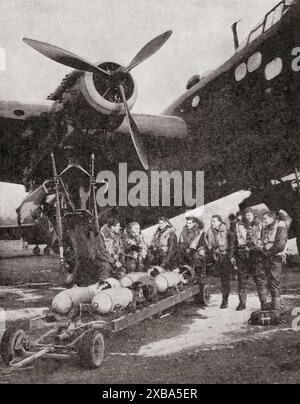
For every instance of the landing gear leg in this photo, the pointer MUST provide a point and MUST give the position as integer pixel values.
(58, 215)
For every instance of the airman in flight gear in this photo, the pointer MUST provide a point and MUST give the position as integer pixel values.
(219, 243)
(111, 259)
(274, 239)
(247, 255)
(135, 248)
(163, 248)
(192, 245)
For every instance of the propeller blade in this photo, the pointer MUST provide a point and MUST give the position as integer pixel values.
(149, 49)
(134, 132)
(63, 56)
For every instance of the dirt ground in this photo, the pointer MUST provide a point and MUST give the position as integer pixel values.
(188, 345)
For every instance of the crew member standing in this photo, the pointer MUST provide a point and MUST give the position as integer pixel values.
(111, 259)
(163, 248)
(135, 248)
(219, 240)
(247, 250)
(192, 245)
(274, 238)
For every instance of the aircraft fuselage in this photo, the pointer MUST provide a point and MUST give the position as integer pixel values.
(243, 118)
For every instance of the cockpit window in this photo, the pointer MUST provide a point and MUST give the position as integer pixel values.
(256, 32)
(274, 16)
(270, 19)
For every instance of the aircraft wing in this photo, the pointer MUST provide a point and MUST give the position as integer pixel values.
(16, 123)
(17, 111)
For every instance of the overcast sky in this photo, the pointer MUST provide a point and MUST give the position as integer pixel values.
(114, 30)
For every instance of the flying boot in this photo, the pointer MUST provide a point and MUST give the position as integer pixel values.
(276, 303)
(242, 305)
(224, 304)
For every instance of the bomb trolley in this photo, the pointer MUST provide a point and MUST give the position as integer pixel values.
(83, 333)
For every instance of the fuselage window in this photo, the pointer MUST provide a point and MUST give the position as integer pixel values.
(254, 62)
(195, 101)
(2, 60)
(19, 112)
(241, 72)
(273, 69)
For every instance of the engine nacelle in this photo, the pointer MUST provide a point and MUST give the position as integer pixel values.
(94, 100)
(108, 300)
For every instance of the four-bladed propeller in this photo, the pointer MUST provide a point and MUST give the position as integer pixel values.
(76, 62)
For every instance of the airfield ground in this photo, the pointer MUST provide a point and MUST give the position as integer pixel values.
(188, 345)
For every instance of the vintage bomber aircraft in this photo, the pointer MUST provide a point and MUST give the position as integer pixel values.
(239, 123)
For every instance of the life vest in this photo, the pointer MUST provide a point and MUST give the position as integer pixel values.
(190, 238)
(218, 239)
(195, 243)
(113, 242)
(136, 241)
(269, 234)
(246, 233)
(161, 239)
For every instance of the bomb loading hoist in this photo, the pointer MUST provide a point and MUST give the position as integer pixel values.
(62, 212)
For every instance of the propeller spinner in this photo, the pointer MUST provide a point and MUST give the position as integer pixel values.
(117, 77)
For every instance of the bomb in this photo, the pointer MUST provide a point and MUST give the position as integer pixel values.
(167, 280)
(187, 273)
(67, 299)
(130, 279)
(109, 283)
(145, 290)
(108, 300)
(154, 271)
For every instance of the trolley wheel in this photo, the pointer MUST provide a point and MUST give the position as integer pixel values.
(91, 349)
(203, 297)
(36, 251)
(47, 250)
(13, 343)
